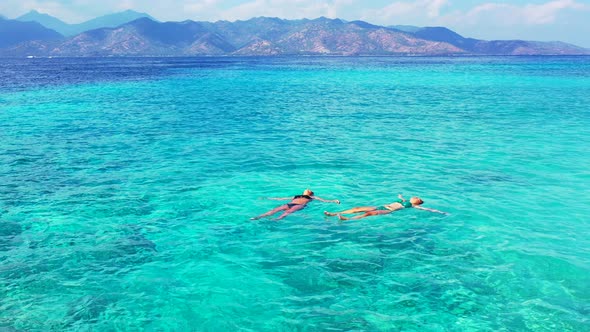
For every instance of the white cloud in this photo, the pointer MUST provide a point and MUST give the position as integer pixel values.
(125, 4)
(288, 9)
(433, 7)
(429, 12)
(530, 14)
(198, 8)
(405, 11)
(546, 13)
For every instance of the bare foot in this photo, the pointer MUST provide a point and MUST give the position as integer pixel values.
(330, 213)
(342, 217)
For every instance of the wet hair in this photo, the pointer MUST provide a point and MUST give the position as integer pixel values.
(418, 200)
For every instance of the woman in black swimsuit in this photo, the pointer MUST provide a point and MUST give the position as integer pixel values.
(297, 203)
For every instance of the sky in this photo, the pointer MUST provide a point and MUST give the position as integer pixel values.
(543, 20)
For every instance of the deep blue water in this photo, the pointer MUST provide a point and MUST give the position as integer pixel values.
(127, 184)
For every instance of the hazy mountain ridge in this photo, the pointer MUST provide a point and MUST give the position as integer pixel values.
(274, 36)
(14, 32)
(495, 47)
(106, 21)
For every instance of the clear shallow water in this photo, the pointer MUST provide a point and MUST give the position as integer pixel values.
(126, 186)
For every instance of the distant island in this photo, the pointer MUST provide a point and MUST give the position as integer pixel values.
(136, 34)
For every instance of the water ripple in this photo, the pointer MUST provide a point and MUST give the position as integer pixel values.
(126, 188)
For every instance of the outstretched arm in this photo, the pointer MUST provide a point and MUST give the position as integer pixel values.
(326, 200)
(401, 197)
(429, 210)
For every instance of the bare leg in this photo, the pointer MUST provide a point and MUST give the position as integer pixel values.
(289, 211)
(353, 210)
(366, 214)
(271, 212)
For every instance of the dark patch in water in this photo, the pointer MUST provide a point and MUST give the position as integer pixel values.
(136, 243)
(25, 160)
(118, 256)
(8, 230)
(273, 263)
(87, 309)
(309, 280)
(131, 250)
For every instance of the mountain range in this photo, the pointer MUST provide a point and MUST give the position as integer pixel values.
(107, 21)
(145, 36)
(14, 32)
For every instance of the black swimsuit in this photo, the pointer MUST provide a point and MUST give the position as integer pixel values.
(290, 205)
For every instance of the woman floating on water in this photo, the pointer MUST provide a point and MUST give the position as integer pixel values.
(401, 203)
(297, 203)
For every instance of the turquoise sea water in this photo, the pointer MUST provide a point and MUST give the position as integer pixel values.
(126, 188)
